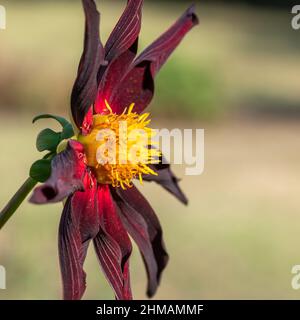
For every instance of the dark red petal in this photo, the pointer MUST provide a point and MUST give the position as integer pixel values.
(137, 227)
(143, 225)
(79, 224)
(138, 84)
(167, 180)
(87, 122)
(126, 31)
(68, 169)
(71, 254)
(85, 88)
(113, 246)
(112, 77)
(120, 51)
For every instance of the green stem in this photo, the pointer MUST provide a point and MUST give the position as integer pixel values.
(16, 201)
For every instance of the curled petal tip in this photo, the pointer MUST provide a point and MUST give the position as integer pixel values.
(152, 291)
(143, 225)
(138, 83)
(191, 12)
(67, 172)
(43, 194)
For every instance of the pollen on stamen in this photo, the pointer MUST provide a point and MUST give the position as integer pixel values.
(129, 136)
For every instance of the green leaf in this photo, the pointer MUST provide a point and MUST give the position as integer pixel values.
(40, 170)
(48, 140)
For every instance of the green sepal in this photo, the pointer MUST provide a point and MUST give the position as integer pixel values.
(48, 140)
(40, 170)
(62, 121)
(67, 132)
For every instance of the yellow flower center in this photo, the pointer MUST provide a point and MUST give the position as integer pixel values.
(119, 148)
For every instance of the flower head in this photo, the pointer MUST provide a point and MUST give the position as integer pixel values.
(95, 169)
(118, 147)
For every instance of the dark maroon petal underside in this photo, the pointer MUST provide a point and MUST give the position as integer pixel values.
(138, 84)
(79, 224)
(68, 169)
(113, 246)
(167, 179)
(144, 227)
(85, 88)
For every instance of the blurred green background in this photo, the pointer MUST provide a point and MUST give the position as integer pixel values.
(236, 76)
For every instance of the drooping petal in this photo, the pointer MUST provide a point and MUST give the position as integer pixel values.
(138, 84)
(79, 224)
(71, 254)
(120, 51)
(68, 169)
(113, 246)
(167, 179)
(144, 227)
(85, 88)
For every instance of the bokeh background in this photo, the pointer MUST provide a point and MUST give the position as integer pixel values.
(236, 76)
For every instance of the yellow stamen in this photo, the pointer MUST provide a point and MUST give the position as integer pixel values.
(130, 108)
(126, 136)
(108, 106)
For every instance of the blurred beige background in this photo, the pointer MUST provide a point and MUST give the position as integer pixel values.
(236, 76)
